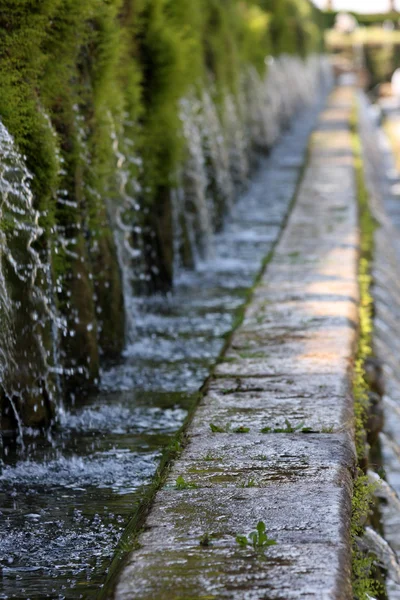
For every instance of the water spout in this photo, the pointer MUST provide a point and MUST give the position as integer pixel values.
(26, 294)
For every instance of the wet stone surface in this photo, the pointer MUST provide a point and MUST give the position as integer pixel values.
(272, 440)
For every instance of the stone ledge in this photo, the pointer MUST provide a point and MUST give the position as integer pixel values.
(208, 574)
(290, 362)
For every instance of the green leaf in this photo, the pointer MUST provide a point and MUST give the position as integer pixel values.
(266, 430)
(182, 484)
(258, 539)
(289, 427)
(261, 527)
(253, 536)
(242, 540)
(270, 542)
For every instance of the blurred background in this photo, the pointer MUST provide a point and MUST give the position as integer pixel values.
(361, 6)
(365, 35)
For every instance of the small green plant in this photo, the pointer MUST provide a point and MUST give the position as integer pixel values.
(241, 429)
(262, 457)
(288, 429)
(182, 484)
(266, 430)
(257, 539)
(209, 457)
(327, 429)
(217, 428)
(251, 483)
(205, 540)
(175, 446)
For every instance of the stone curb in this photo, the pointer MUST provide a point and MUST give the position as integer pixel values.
(288, 368)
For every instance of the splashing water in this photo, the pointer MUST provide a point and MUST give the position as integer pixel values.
(237, 143)
(192, 199)
(221, 145)
(123, 211)
(26, 303)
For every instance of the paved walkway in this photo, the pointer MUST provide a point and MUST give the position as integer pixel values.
(288, 368)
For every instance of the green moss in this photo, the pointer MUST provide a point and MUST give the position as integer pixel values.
(365, 584)
(367, 228)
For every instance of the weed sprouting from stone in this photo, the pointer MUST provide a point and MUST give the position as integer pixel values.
(257, 539)
(288, 429)
(182, 484)
(217, 428)
(249, 484)
(262, 457)
(205, 540)
(209, 457)
(241, 429)
(327, 429)
(227, 429)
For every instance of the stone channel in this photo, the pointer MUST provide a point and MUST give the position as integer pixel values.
(272, 439)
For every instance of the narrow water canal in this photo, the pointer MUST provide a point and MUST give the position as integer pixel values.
(66, 498)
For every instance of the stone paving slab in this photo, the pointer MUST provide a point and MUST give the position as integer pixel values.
(323, 571)
(289, 366)
(242, 460)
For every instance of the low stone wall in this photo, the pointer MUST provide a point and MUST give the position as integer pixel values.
(272, 440)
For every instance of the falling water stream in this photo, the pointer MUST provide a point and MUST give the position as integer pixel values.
(67, 496)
